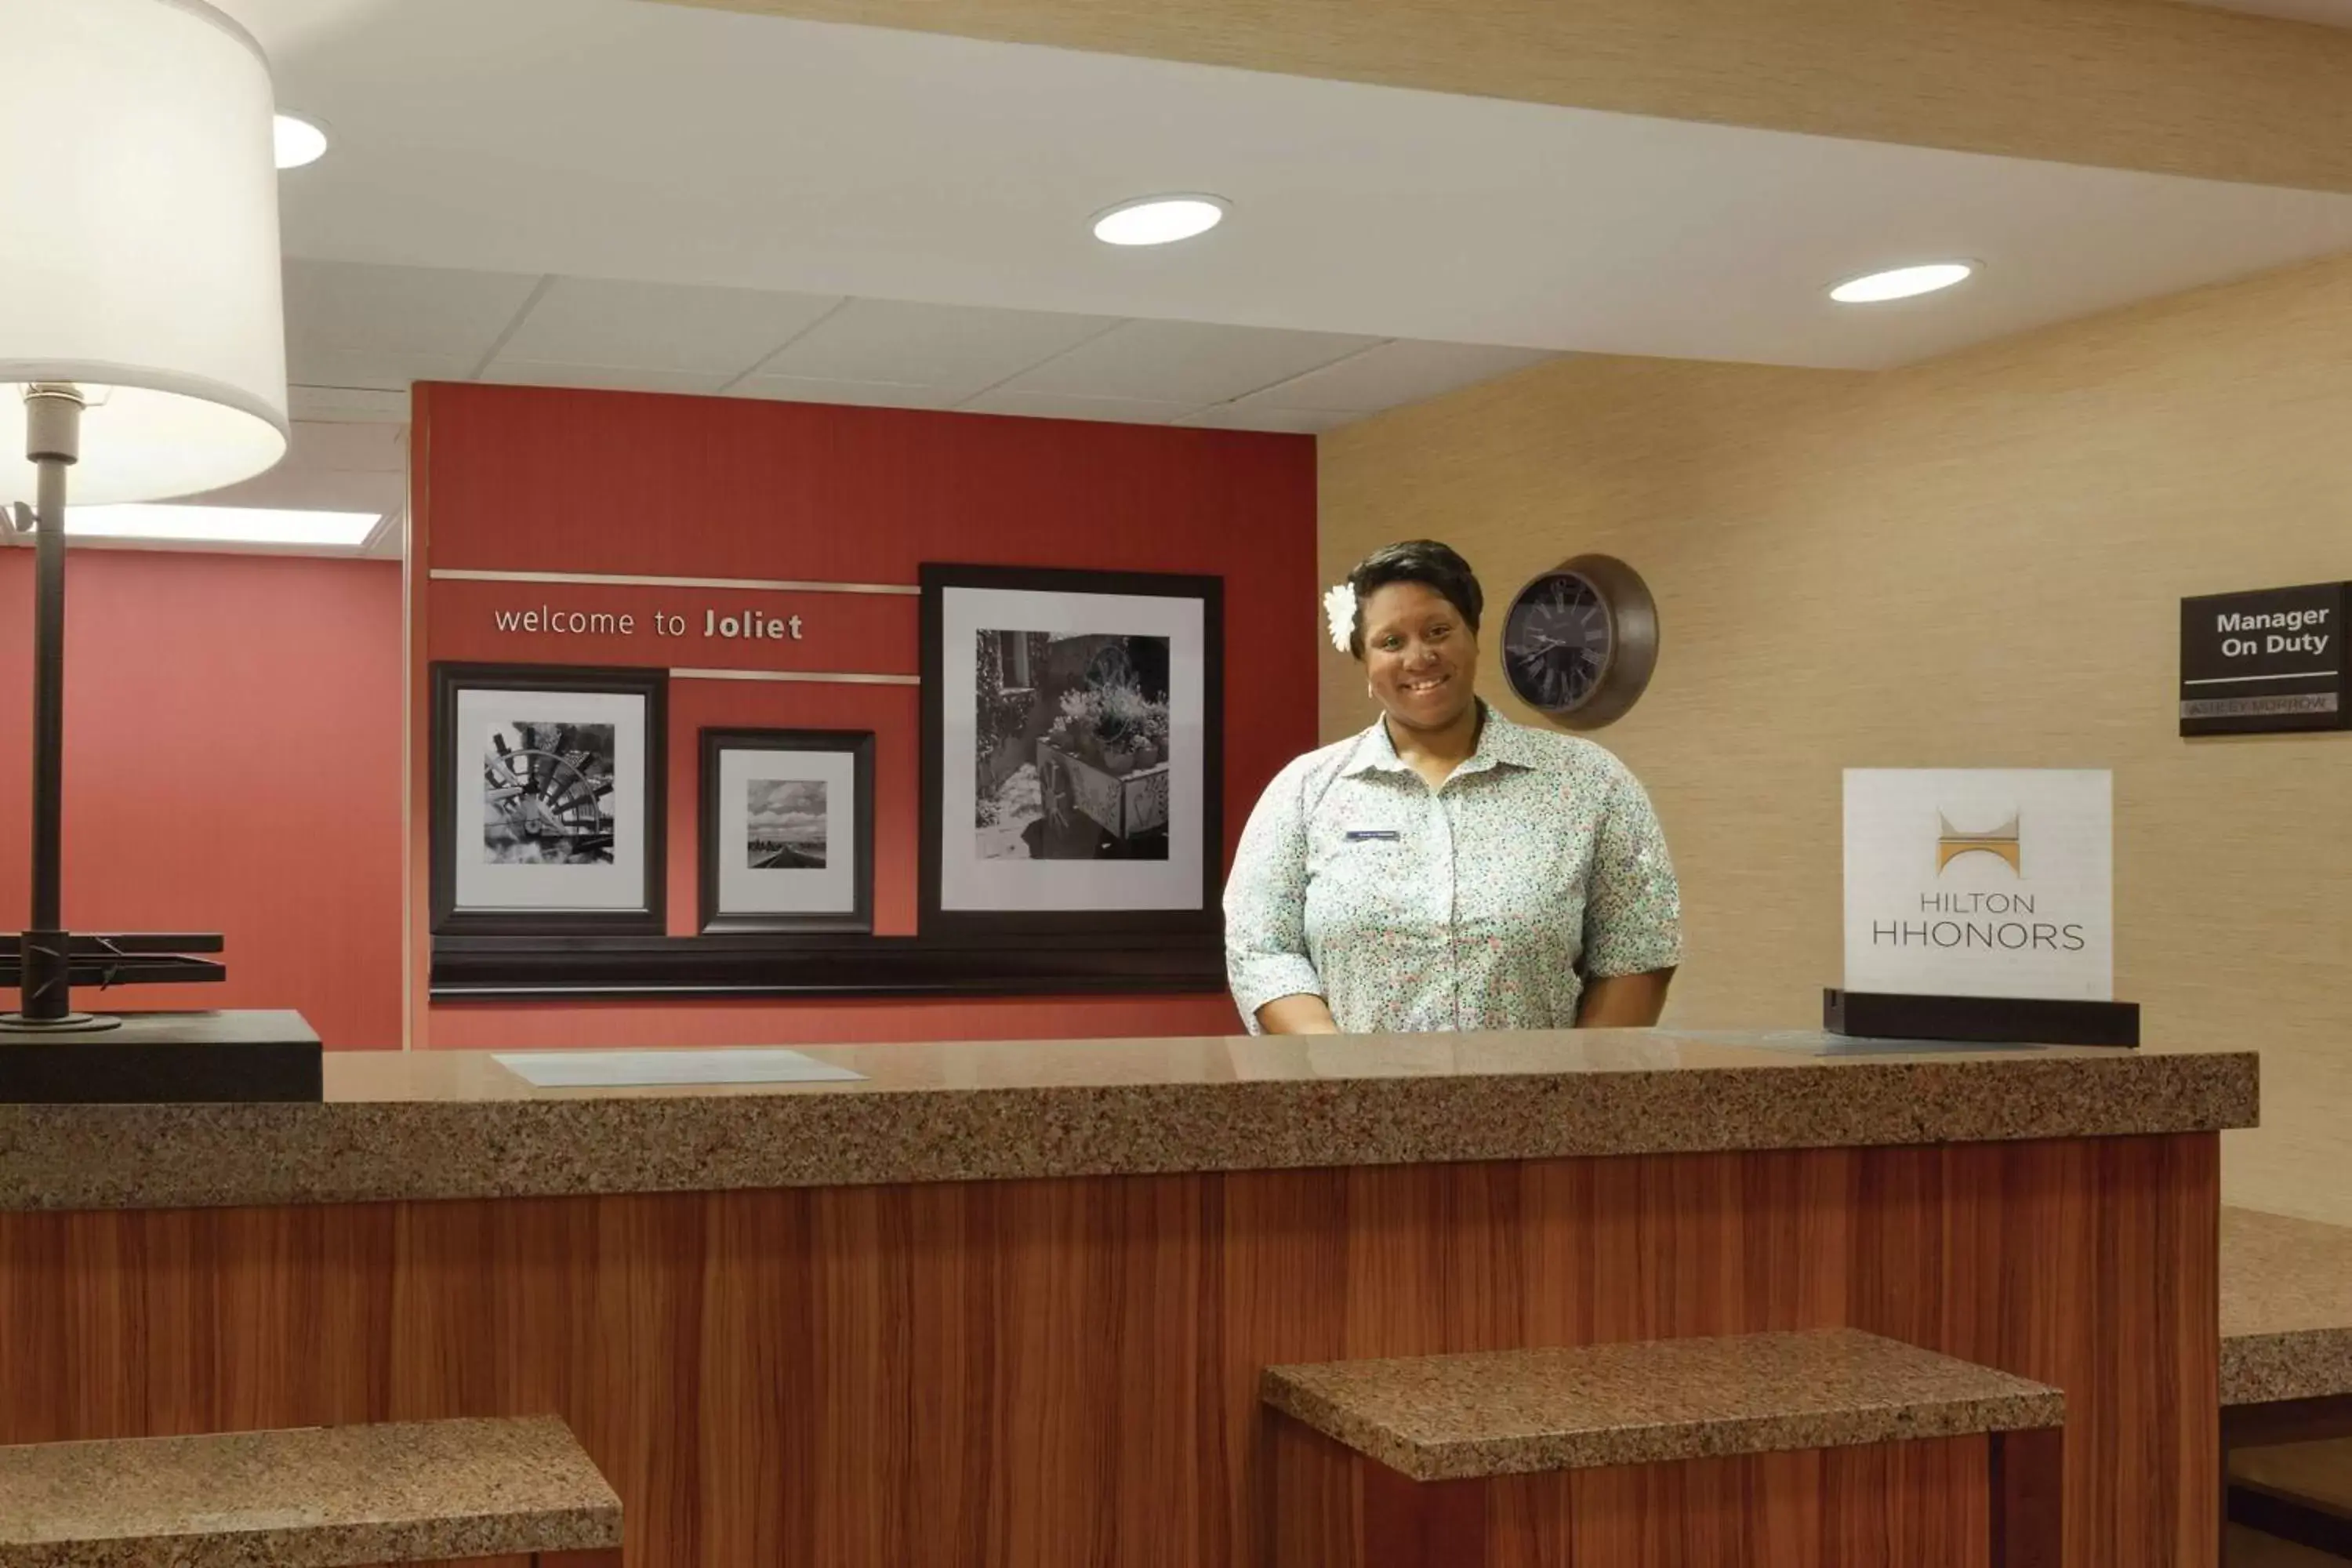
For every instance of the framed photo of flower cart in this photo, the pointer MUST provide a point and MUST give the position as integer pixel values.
(1073, 756)
(547, 799)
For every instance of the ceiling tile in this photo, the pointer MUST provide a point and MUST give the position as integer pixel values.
(330, 467)
(346, 405)
(960, 349)
(437, 313)
(1184, 361)
(1406, 371)
(351, 449)
(860, 394)
(1066, 405)
(603, 377)
(1250, 415)
(375, 370)
(661, 326)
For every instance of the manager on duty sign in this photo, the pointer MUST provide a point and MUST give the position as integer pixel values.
(2274, 660)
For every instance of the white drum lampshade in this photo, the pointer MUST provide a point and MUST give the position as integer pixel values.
(139, 253)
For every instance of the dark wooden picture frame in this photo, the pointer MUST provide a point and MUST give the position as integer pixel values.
(858, 744)
(450, 682)
(1203, 923)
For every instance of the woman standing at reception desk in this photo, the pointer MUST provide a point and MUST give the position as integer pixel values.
(1446, 868)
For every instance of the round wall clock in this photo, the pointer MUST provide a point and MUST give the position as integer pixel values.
(1581, 641)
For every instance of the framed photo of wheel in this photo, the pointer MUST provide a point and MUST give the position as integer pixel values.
(548, 799)
(1581, 641)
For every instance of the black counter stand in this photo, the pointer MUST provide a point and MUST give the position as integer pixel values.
(1983, 1020)
(48, 1052)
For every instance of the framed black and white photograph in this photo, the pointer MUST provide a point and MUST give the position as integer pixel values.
(787, 830)
(1071, 751)
(547, 799)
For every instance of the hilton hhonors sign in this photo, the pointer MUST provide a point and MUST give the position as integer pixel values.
(2274, 659)
(1980, 882)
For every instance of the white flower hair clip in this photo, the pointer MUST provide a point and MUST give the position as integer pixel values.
(1339, 608)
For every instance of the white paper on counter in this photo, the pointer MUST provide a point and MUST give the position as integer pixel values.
(622, 1070)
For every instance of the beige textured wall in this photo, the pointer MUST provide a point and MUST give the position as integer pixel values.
(2129, 84)
(1976, 562)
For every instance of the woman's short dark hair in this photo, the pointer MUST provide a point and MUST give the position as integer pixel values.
(1422, 561)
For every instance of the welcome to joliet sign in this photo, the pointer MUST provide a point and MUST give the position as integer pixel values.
(2270, 660)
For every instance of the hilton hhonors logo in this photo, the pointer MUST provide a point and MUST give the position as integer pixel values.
(2002, 843)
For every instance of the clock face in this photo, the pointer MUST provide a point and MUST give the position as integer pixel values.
(1557, 642)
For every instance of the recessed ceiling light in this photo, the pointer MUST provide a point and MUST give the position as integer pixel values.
(220, 524)
(1902, 282)
(299, 141)
(1158, 220)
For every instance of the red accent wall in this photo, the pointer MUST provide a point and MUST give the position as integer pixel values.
(232, 764)
(528, 479)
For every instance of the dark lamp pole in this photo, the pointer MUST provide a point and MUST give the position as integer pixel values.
(53, 444)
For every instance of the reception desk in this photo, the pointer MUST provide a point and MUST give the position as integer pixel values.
(1010, 1303)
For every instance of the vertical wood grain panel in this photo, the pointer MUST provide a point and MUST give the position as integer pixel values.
(1049, 1374)
(1976, 561)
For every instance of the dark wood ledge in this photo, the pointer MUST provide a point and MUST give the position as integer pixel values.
(513, 968)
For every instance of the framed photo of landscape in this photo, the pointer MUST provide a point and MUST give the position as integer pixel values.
(546, 813)
(787, 830)
(1073, 756)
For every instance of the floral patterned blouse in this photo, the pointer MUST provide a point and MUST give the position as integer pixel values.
(1483, 904)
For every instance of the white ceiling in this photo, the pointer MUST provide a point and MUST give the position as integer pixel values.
(604, 193)
(613, 140)
(363, 325)
(349, 453)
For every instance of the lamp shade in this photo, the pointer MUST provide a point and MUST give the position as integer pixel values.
(139, 249)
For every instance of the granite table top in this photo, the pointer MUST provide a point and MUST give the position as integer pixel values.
(458, 1125)
(313, 1498)
(2286, 1308)
(1455, 1418)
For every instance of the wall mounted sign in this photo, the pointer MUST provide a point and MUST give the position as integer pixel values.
(1980, 882)
(2271, 660)
(547, 799)
(675, 626)
(1580, 640)
(1073, 754)
(554, 620)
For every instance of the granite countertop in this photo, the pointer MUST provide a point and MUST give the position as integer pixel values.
(1456, 1417)
(455, 1124)
(313, 1498)
(2286, 1308)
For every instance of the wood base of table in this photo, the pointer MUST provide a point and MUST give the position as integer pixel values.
(1952, 1502)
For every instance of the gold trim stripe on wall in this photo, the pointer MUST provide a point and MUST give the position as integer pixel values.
(761, 585)
(835, 677)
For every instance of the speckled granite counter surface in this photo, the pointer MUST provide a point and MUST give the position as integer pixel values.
(453, 1125)
(1455, 1418)
(2286, 1308)
(401, 1493)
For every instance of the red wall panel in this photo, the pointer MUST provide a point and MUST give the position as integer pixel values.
(527, 479)
(232, 764)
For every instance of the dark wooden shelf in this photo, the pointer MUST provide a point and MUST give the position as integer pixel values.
(515, 968)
